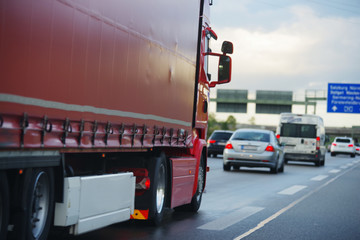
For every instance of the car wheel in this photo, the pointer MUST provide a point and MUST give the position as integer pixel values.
(281, 169)
(353, 155)
(226, 167)
(275, 168)
(333, 154)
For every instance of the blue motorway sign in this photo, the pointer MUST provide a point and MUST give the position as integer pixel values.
(343, 98)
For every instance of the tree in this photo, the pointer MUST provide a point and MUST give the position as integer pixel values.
(231, 123)
(252, 120)
(213, 124)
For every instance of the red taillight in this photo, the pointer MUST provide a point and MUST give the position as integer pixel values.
(317, 143)
(229, 146)
(334, 144)
(143, 184)
(270, 148)
(278, 136)
(351, 145)
(211, 141)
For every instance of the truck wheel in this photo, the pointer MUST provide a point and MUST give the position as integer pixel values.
(196, 199)
(4, 205)
(158, 189)
(38, 196)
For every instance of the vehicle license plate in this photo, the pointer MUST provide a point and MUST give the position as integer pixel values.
(247, 147)
(222, 144)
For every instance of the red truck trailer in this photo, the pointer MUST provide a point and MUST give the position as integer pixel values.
(103, 111)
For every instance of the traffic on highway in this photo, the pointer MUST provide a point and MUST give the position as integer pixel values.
(112, 120)
(304, 202)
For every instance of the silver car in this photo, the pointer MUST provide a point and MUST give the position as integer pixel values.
(253, 148)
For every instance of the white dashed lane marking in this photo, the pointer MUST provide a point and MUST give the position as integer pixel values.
(229, 220)
(334, 171)
(292, 190)
(319, 178)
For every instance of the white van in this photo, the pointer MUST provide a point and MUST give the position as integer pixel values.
(303, 137)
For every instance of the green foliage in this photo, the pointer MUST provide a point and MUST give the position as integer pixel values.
(213, 124)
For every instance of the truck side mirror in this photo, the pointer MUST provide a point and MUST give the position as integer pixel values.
(224, 66)
(227, 47)
(224, 73)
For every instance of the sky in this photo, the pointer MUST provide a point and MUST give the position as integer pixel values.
(289, 45)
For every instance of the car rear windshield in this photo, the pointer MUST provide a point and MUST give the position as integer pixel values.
(298, 130)
(221, 136)
(251, 136)
(343, 140)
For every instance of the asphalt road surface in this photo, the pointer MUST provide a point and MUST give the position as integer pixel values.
(304, 202)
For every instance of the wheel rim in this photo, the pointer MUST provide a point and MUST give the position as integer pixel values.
(160, 191)
(200, 182)
(39, 203)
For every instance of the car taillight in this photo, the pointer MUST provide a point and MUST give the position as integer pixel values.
(278, 136)
(334, 144)
(211, 141)
(229, 146)
(351, 145)
(270, 148)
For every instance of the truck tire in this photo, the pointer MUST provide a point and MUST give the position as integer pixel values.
(4, 205)
(38, 200)
(158, 188)
(196, 199)
(195, 203)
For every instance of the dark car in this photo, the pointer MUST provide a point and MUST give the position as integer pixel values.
(216, 142)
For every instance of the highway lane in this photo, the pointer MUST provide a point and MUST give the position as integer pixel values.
(304, 202)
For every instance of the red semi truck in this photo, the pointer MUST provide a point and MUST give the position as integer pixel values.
(103, 111)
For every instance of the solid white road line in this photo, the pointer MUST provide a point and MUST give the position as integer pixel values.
(319, 178)
(292, 190)
(228, 220)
